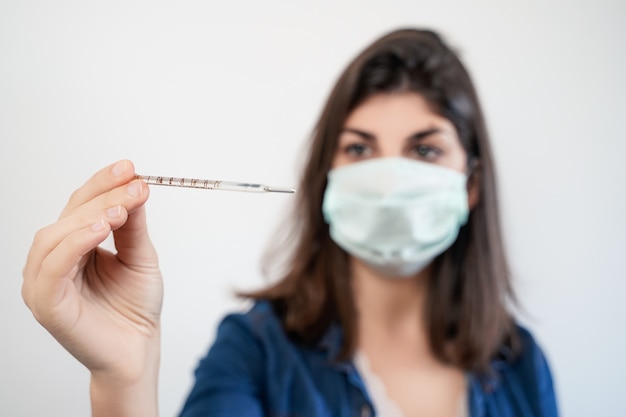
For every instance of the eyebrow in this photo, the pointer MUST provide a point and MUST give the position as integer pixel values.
(371, 137)
(365, 135)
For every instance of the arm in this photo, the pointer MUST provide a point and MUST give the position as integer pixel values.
(104, 308)
(230, 377)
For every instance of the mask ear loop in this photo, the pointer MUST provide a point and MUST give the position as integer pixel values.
(473, 181)
(472, 163)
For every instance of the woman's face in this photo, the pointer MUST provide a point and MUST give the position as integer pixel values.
(403, 125)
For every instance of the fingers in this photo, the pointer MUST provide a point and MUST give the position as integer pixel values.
(51, 236)
(70, 233)
(104, 180)
(112, 206)
(130, 196)
(52, 279)
(106, 199)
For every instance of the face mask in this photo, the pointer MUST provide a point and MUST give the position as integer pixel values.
(395, 214)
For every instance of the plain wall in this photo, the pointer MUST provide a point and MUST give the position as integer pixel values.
(231, 90)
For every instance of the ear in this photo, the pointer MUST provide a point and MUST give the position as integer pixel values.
(473, 185)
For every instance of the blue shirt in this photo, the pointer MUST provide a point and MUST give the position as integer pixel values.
(253, 369)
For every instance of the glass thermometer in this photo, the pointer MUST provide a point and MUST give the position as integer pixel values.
(213, 184)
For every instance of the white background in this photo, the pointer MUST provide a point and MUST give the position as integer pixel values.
(231, 90)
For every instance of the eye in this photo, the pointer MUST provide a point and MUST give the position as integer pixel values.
(427, 152)
(359, 150)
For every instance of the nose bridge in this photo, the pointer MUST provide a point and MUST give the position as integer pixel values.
(391, 145)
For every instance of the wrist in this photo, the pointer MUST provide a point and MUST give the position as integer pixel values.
(123, 394)
(130, 400)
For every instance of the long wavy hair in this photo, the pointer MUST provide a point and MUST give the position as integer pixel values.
(467, 319)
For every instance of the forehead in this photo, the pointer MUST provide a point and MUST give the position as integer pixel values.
(395, 112)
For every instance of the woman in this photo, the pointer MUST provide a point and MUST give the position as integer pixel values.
(392, 303)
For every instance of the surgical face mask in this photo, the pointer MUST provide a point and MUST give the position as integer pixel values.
(395, 214)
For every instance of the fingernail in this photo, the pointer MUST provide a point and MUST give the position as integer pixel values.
(97, 226)
(119, 168)
(134, 189)
(114, 212)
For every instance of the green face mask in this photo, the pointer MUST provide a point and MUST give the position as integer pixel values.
(395, 214)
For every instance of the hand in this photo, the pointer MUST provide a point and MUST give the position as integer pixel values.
(104, 308)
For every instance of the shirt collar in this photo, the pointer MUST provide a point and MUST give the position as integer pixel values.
(331, 340)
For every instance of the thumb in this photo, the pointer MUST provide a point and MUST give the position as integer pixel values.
(134, 247)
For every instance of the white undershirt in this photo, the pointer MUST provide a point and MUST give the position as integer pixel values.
(385, 406)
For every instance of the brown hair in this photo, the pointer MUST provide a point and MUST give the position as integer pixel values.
(467, 320)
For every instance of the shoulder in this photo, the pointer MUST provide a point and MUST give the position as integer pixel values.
(529, 375)
(531, 361)
(241, 348)
(258, 322)
(250, 336)
(232, 378)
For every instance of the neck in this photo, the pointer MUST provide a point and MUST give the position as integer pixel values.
(391, 306)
